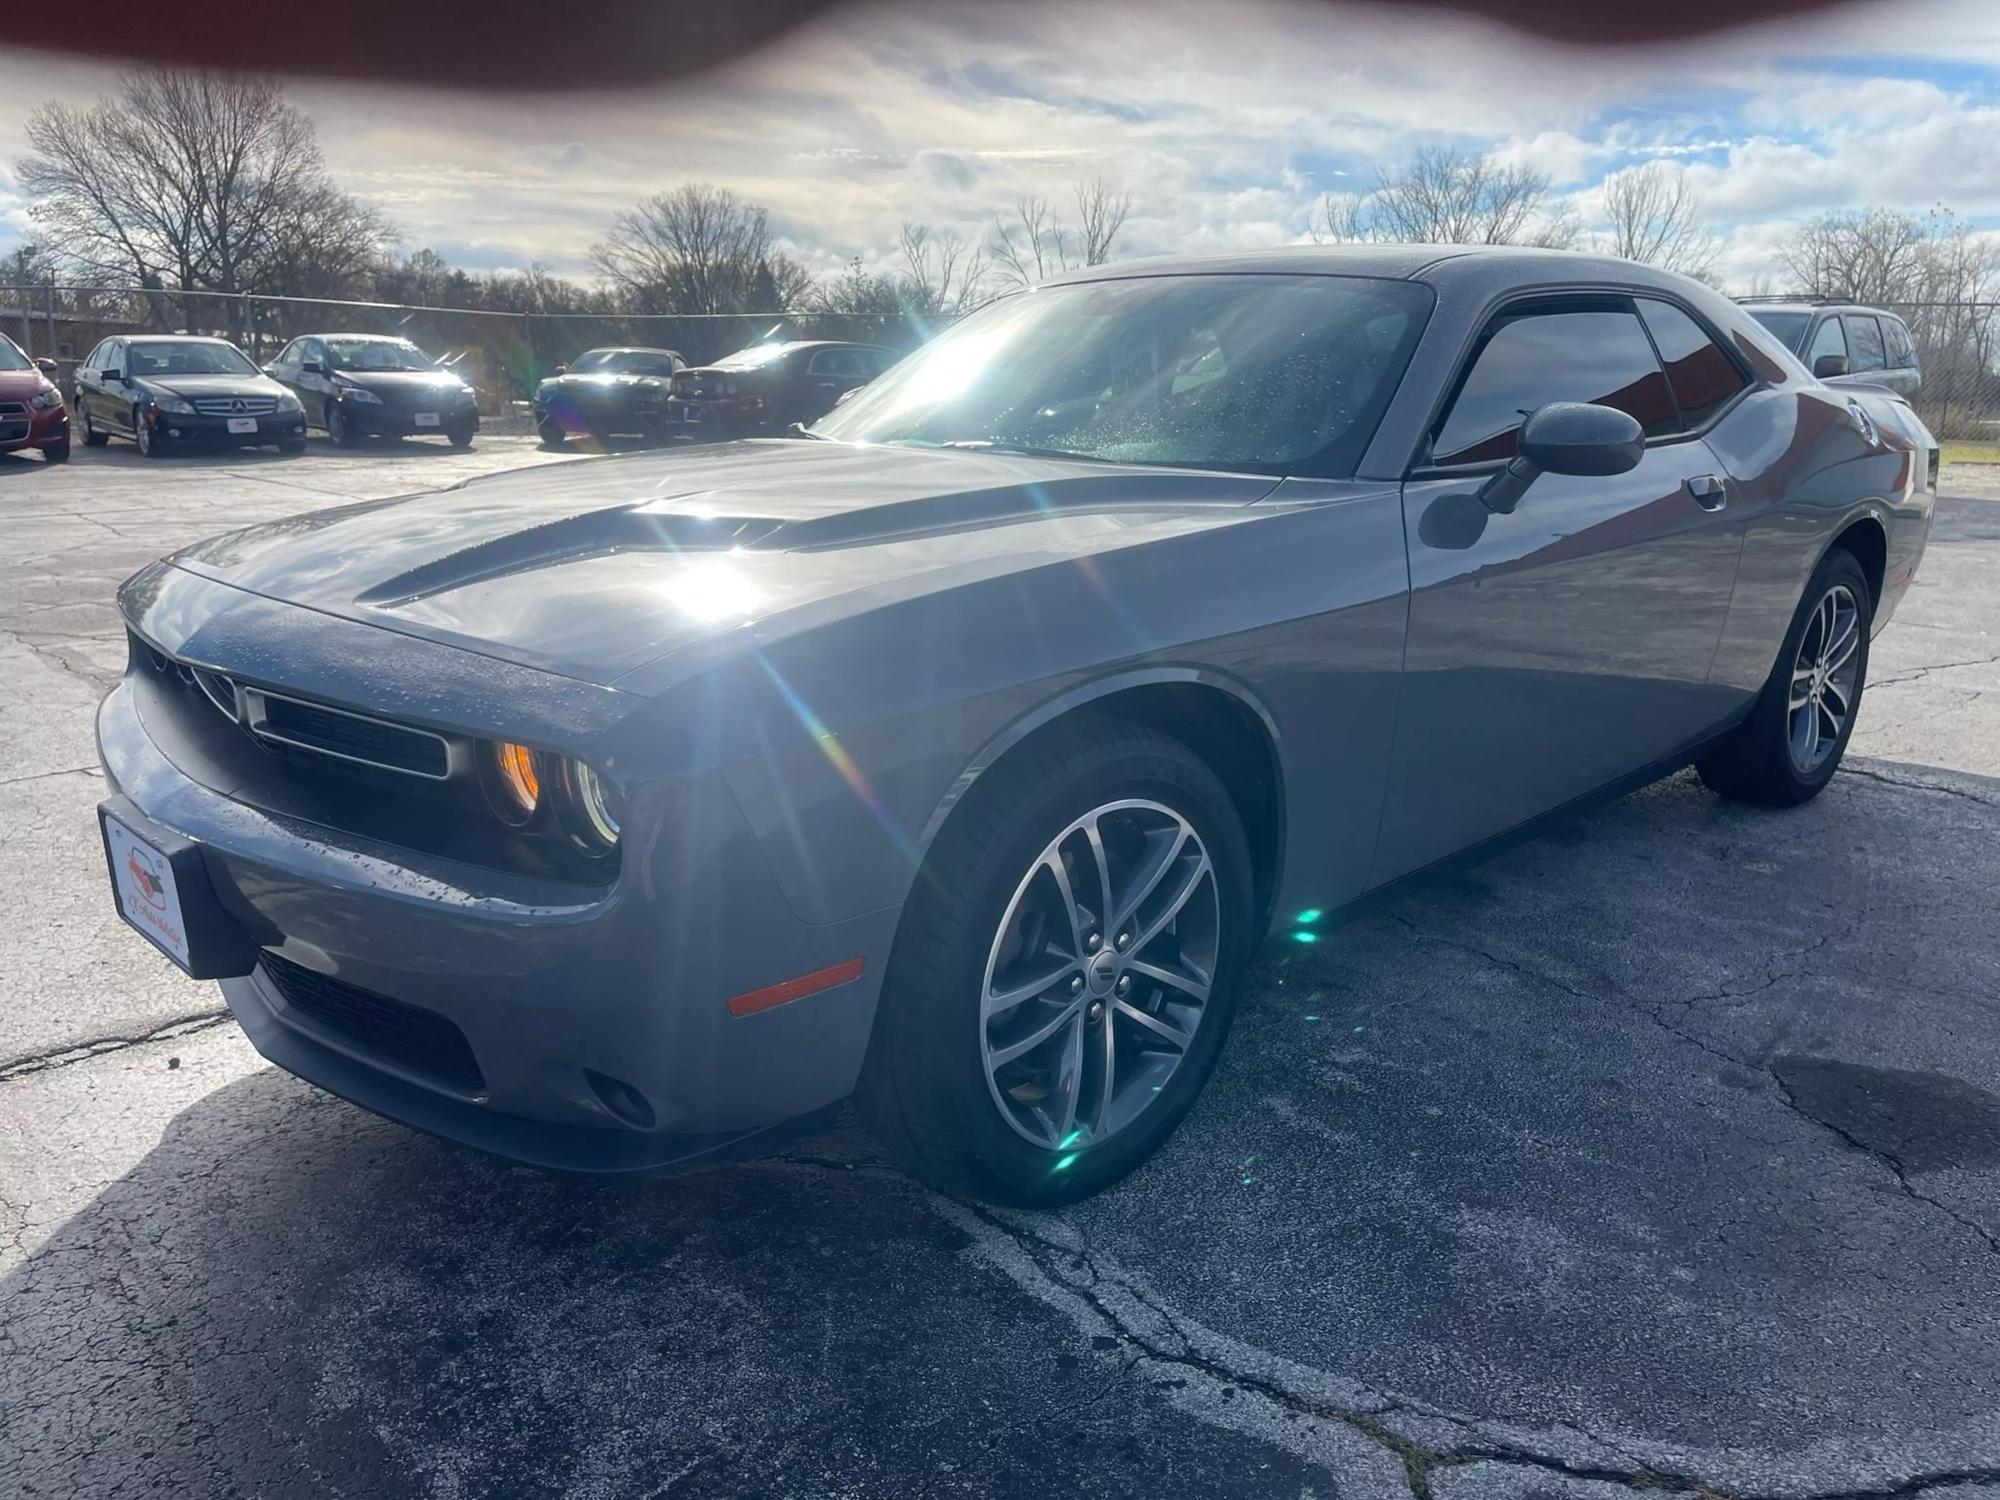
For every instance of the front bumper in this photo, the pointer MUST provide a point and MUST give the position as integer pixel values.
(34, 429)
(547, 982)
(720, 416)
(375, 420)
(205, 431)
(600, 419)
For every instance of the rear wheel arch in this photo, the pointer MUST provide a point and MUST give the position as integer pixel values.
(1868, 541)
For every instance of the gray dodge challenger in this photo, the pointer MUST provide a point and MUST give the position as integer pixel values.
(955, 756)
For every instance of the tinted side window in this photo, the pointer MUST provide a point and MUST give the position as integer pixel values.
(1864, 339)
(835, 362)
(96, 359)
(1902, 354)
(1530, 359)
(1702, 376)
(1829, 340)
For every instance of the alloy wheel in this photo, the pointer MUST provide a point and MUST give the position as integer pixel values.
(1824, 680)
(1099, 975)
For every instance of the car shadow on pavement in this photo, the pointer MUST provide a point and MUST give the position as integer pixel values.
(1665, 1141)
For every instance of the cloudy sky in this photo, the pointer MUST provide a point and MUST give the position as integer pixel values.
(1225, 122)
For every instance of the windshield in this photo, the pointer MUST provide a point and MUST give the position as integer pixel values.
(623, 362)
(376, 354)
(1789, 327)
(753, 358)
(194, 357)
(1268, 373)
(12, 358)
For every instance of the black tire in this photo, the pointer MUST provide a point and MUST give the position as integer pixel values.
(1757, 762)
(292, 446)
(92, 438)
(56, 452)
(144, 435)
(461, 437)
(551, 434)
(925, 1091)
(339, 428)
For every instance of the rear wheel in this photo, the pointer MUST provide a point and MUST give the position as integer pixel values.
(1794, 739)
(92, 438)
(461, 437)
(1066, 972)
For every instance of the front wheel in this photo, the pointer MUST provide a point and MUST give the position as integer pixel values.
(551, 433)
(461, 437)
(56, 452)
(1792, 743)
(144, 434)
(340, 426)
(1066, 971)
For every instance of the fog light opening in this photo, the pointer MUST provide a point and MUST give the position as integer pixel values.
(624, 1101)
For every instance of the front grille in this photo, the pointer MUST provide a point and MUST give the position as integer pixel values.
(409, 1037)
(236, 406)
(14, 422)
(331, 731)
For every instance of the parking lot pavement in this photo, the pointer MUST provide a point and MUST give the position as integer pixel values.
(1662, 1148)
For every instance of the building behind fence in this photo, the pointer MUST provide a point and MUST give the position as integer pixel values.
(504, 354)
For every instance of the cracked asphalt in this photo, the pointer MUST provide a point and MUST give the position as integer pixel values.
(1662, 1149)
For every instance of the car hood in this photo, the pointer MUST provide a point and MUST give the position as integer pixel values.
(594, 380)
(596, 568)
(19, 385)
(192, 386)
(409, 384)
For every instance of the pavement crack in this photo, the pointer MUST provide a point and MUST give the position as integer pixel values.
(1919, 786)
(90, 770)
(76, 1052)
(1888, 1159)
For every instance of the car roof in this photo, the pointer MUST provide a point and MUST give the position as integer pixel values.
(166, 338)
(1806, 305)
(1496, 266)
(630, 349)
(370, 338)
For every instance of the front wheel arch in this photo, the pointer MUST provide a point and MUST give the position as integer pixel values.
(1215, 716)
(1868, 541)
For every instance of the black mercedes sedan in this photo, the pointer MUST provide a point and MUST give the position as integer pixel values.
(768, 387)
(607, 393)
(358, 385)
(173, 391)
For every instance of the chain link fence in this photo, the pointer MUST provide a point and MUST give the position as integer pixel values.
(501, 354)
(1958, 347)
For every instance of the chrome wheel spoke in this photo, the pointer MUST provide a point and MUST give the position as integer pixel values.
(1078, 927)
(1069, 1080)
(1801, 695)
(1149, 880)
(1845, 647)
(1173, 1036)
(1067, 1016)
(1161, 922)
(999, 1002)
(1108, 1083)
(1833, 698)
(1194, 986)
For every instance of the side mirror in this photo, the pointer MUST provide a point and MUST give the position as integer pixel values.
(312, 367)
(562, 369)
(114, 373)
(48, 367)
(1566, 437)
(270, 370)
(1829, 365)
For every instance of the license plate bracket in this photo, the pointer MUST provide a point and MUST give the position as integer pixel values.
(242, 424)
(160, 885)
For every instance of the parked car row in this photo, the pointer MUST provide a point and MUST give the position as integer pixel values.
(168, 392)
(655, 393)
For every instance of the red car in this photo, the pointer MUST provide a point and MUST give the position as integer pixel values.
(32, 414)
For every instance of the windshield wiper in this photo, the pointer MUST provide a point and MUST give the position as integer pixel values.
(1019, 450)
(800, 430)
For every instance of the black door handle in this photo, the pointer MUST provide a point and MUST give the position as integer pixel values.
(1709, 491)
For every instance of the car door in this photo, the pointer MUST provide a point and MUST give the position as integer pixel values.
(830, 372)
(1867, 356)
(1904, 376)
(315, 379)
(1555, 649)
(84, 381)
(285, 368)
(114, 397)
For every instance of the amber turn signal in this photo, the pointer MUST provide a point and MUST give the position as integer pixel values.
(519, 780)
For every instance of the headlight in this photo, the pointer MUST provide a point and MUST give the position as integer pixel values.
(45, 398)
(288, 402)
(594, 808)
(355, 393)
(167, 401)
(513, 776)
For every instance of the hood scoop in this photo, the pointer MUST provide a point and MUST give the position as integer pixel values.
(618, 528)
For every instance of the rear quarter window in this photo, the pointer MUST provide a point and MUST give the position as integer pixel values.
(1703, 378)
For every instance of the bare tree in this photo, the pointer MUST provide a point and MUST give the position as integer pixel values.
(194, 179)
(1035, 244)
(1445, 197)
(943, 275)
(858, 292)
(1100, 214)
(1873, 256)
(1655, 218)
(698, 248)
